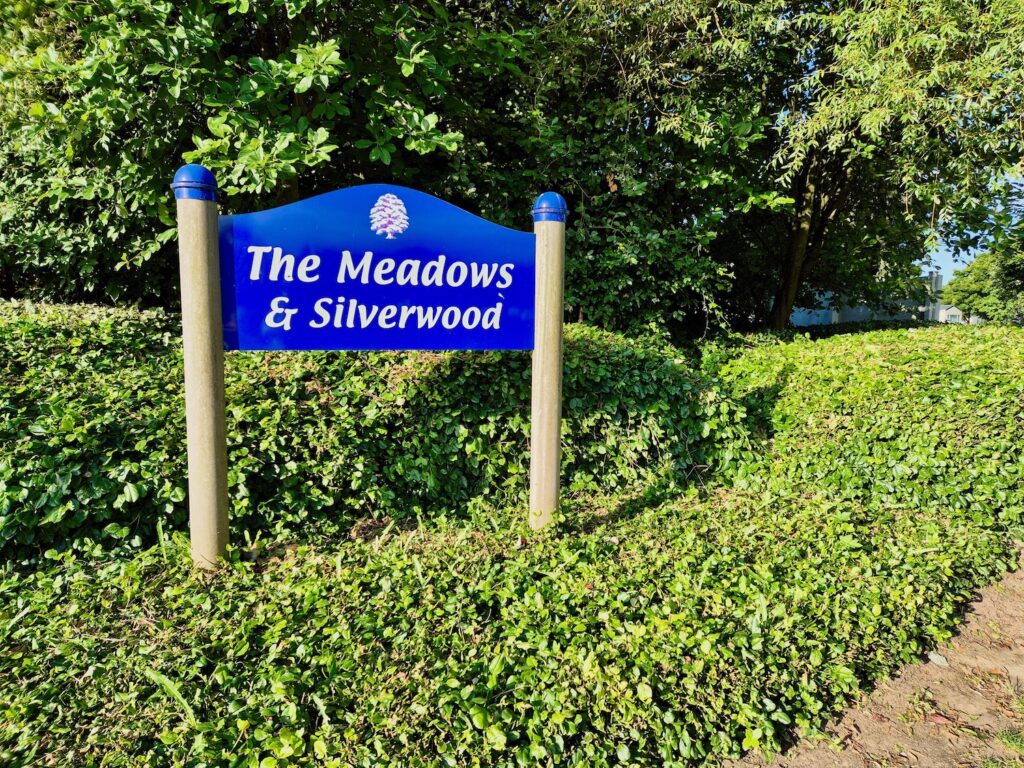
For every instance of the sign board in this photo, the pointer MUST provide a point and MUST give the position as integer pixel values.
(374, 267)
(369, 267)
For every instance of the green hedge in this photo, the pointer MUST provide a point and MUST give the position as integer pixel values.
(882, 486)
(921, 417)
(92, 428)
(659, 637)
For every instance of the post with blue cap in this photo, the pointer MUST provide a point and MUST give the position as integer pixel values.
(195, 191)
(549, 213)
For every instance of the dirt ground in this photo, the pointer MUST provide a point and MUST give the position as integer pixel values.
(962, 708)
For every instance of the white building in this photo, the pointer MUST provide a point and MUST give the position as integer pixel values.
(934, 311)
(945, 313)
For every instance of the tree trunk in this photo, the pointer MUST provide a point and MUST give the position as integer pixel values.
(796, 250)
(821, 197)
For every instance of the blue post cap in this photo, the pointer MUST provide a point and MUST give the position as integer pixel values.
(194, 182)
(550, 206)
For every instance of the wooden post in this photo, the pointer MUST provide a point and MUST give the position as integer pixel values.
(195, 191)
(549, 214)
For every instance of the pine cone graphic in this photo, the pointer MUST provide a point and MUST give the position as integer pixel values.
(388, 216)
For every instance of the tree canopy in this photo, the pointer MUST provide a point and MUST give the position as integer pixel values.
(992, 286)
(723, 161)
(887, 124)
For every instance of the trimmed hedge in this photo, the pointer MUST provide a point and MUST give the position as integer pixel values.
(92, 428)
(929, 418)
(651, 637)
(652, 629)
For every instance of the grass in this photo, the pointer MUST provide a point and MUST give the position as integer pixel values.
(1013, 739)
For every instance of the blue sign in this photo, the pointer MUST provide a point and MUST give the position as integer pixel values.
(374, 267)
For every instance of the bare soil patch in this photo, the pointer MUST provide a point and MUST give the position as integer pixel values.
(963, 707)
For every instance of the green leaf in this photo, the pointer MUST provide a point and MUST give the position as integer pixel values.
(496, 737)
(172, 689)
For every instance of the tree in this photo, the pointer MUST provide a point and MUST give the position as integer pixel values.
(486, 104)
(722, 161)
(972, 289)
(388, 216)
(101, 101)
(990, 287)
(886, 123)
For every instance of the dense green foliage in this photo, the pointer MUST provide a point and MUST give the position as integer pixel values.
(717, 158)
(656, 638)
(100, 102)
(103, 100)
(92, 427)
(872, 482)
(881, 121)
(922, 418)
(992, 286)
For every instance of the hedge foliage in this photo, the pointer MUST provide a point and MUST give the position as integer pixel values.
(658, 638)
(871, 483)
(921, 417)
(92, 428)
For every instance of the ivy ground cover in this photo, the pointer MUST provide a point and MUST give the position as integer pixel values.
(862, 486)
(92, 429)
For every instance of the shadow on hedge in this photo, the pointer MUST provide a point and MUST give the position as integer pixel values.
(424, 435)
(93, 442)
